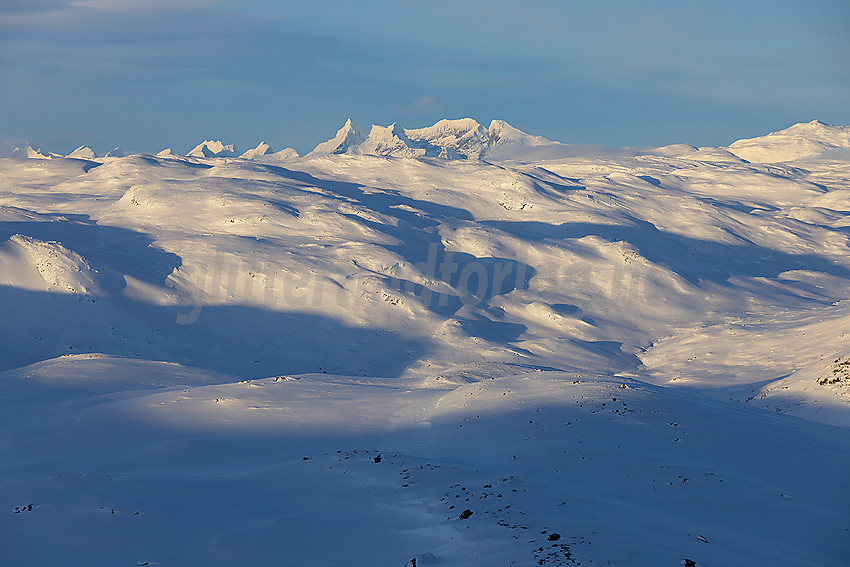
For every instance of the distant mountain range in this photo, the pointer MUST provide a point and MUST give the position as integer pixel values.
(466, 139)
(448, 139)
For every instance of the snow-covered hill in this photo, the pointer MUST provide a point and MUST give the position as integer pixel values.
(800, 141)
(371, 355)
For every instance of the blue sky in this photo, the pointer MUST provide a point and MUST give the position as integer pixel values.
(150, 74)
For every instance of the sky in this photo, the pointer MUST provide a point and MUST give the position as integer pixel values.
(151, 74)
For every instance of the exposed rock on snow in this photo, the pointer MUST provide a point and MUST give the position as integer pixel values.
(394, 141)
(465, 137)
(29, 263)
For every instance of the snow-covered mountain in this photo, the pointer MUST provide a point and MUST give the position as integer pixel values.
(281, 155)
(394, 141)
(83, 152)
(801, 141)
(261, 150)
(264, 152)
(464, 138)
(28, 151)
(212, 148)
(347, 141)
(635, 358)
(448, 139)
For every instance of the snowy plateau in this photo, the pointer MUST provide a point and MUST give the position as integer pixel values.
(453, 345)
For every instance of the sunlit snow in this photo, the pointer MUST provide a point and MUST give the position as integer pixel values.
(454, 345)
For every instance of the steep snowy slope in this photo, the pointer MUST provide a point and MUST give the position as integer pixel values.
(346, 141)
(261, 150)
(330, 359)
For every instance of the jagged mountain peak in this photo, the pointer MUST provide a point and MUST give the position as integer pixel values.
(212, 148)
(264, 152)
(464, 136)
(83, 152)
(346, 141)
(261, 150)
(34, 152)
(27, 151)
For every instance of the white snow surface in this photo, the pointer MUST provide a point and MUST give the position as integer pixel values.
(801, 141)
(375, 356)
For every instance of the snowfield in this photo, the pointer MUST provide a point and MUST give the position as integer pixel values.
(454, 345)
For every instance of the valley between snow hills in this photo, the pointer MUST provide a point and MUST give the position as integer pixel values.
(457, 345)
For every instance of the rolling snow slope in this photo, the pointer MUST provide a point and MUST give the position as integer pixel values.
(798, 142)
(147, 462)
(644, 353)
